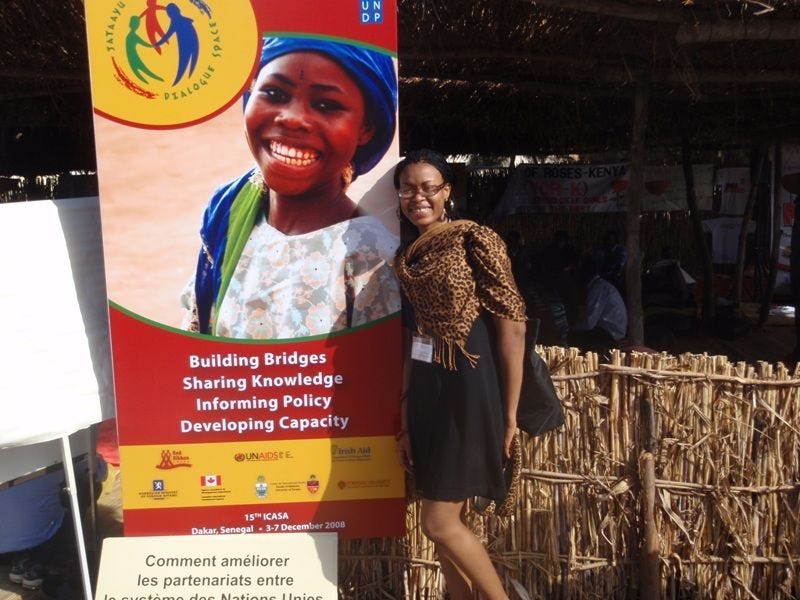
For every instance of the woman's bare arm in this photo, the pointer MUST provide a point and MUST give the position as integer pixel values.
(510, 353)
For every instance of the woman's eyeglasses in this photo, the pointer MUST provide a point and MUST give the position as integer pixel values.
(425, 190)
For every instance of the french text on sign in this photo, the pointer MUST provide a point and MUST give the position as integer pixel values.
(220, 567)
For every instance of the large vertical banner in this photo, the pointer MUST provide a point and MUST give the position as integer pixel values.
(244, 153)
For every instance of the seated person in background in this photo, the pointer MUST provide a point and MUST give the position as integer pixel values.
(603, 318)
(559, 255)
(611, 257)
(666, 283)
(519, 254)
(557, 267)
(32, 516)
(36, 530)
(547, 316)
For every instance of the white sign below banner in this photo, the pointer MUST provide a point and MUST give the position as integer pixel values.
(287, 566)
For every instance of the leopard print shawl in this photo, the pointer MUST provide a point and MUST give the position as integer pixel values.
(449, 274)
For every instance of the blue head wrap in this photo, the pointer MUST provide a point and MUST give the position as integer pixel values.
(374, 74)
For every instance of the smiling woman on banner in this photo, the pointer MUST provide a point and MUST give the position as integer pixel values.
(464, 323)
(286, 253)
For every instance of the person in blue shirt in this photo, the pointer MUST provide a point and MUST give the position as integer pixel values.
(36, 528)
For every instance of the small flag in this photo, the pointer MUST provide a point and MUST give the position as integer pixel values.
(210, 480)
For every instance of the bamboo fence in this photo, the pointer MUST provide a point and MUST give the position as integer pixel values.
(673, 477)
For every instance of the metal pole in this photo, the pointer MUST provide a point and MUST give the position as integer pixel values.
(66, 455)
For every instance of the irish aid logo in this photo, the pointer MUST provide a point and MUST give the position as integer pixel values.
(163, 64)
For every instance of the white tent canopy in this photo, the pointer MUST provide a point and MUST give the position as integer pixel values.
(55, 371)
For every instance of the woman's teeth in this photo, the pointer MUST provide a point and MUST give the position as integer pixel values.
(292, 156)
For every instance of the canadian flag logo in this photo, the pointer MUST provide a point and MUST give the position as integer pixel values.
(210, 480)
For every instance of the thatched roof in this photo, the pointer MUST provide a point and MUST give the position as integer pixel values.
(482, 76)
(518, 76)
(45, 101)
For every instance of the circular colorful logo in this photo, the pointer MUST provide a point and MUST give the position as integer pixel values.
(169, 64)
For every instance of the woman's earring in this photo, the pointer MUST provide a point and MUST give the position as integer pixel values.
(399, 213)
(448, 207)
(347, 176)
(257, 179)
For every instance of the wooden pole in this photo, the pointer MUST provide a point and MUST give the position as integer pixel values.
(755, 185)
(794, 272)
(633, 268)
(775, 247)
(650, 585)
(620, 10)
(735, 30)
(648, 421)
(697, 227)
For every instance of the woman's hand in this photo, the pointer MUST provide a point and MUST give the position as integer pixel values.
(508, 439)
(404, 451)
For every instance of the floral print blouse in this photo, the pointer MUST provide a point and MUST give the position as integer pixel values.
(288, 286)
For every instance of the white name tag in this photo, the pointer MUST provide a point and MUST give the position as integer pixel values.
(422, 348)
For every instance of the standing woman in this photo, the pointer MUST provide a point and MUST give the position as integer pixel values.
(465, 340)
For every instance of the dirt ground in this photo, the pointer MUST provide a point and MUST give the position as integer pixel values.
(740, 340)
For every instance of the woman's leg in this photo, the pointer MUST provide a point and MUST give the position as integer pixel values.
(441, 522)
(458, 586)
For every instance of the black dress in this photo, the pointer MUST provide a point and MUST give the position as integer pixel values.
(456, 422)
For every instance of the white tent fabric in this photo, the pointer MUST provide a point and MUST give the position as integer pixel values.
(55, 365)
(19, 461)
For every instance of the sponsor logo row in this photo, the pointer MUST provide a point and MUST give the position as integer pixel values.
(175, 459)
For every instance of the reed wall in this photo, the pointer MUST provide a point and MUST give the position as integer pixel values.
(673, 477)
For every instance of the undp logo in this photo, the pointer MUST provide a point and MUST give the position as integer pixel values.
(159, 65)
(371, 12)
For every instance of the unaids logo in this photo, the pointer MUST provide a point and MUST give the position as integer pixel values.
(164, 64)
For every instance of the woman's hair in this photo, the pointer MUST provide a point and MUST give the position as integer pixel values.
(373, 73)
(424, 155)
(408, 232)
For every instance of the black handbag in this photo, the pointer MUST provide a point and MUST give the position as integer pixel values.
(539, 411)
(539, 408)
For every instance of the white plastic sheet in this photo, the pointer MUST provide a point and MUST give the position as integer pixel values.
(55, 360)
